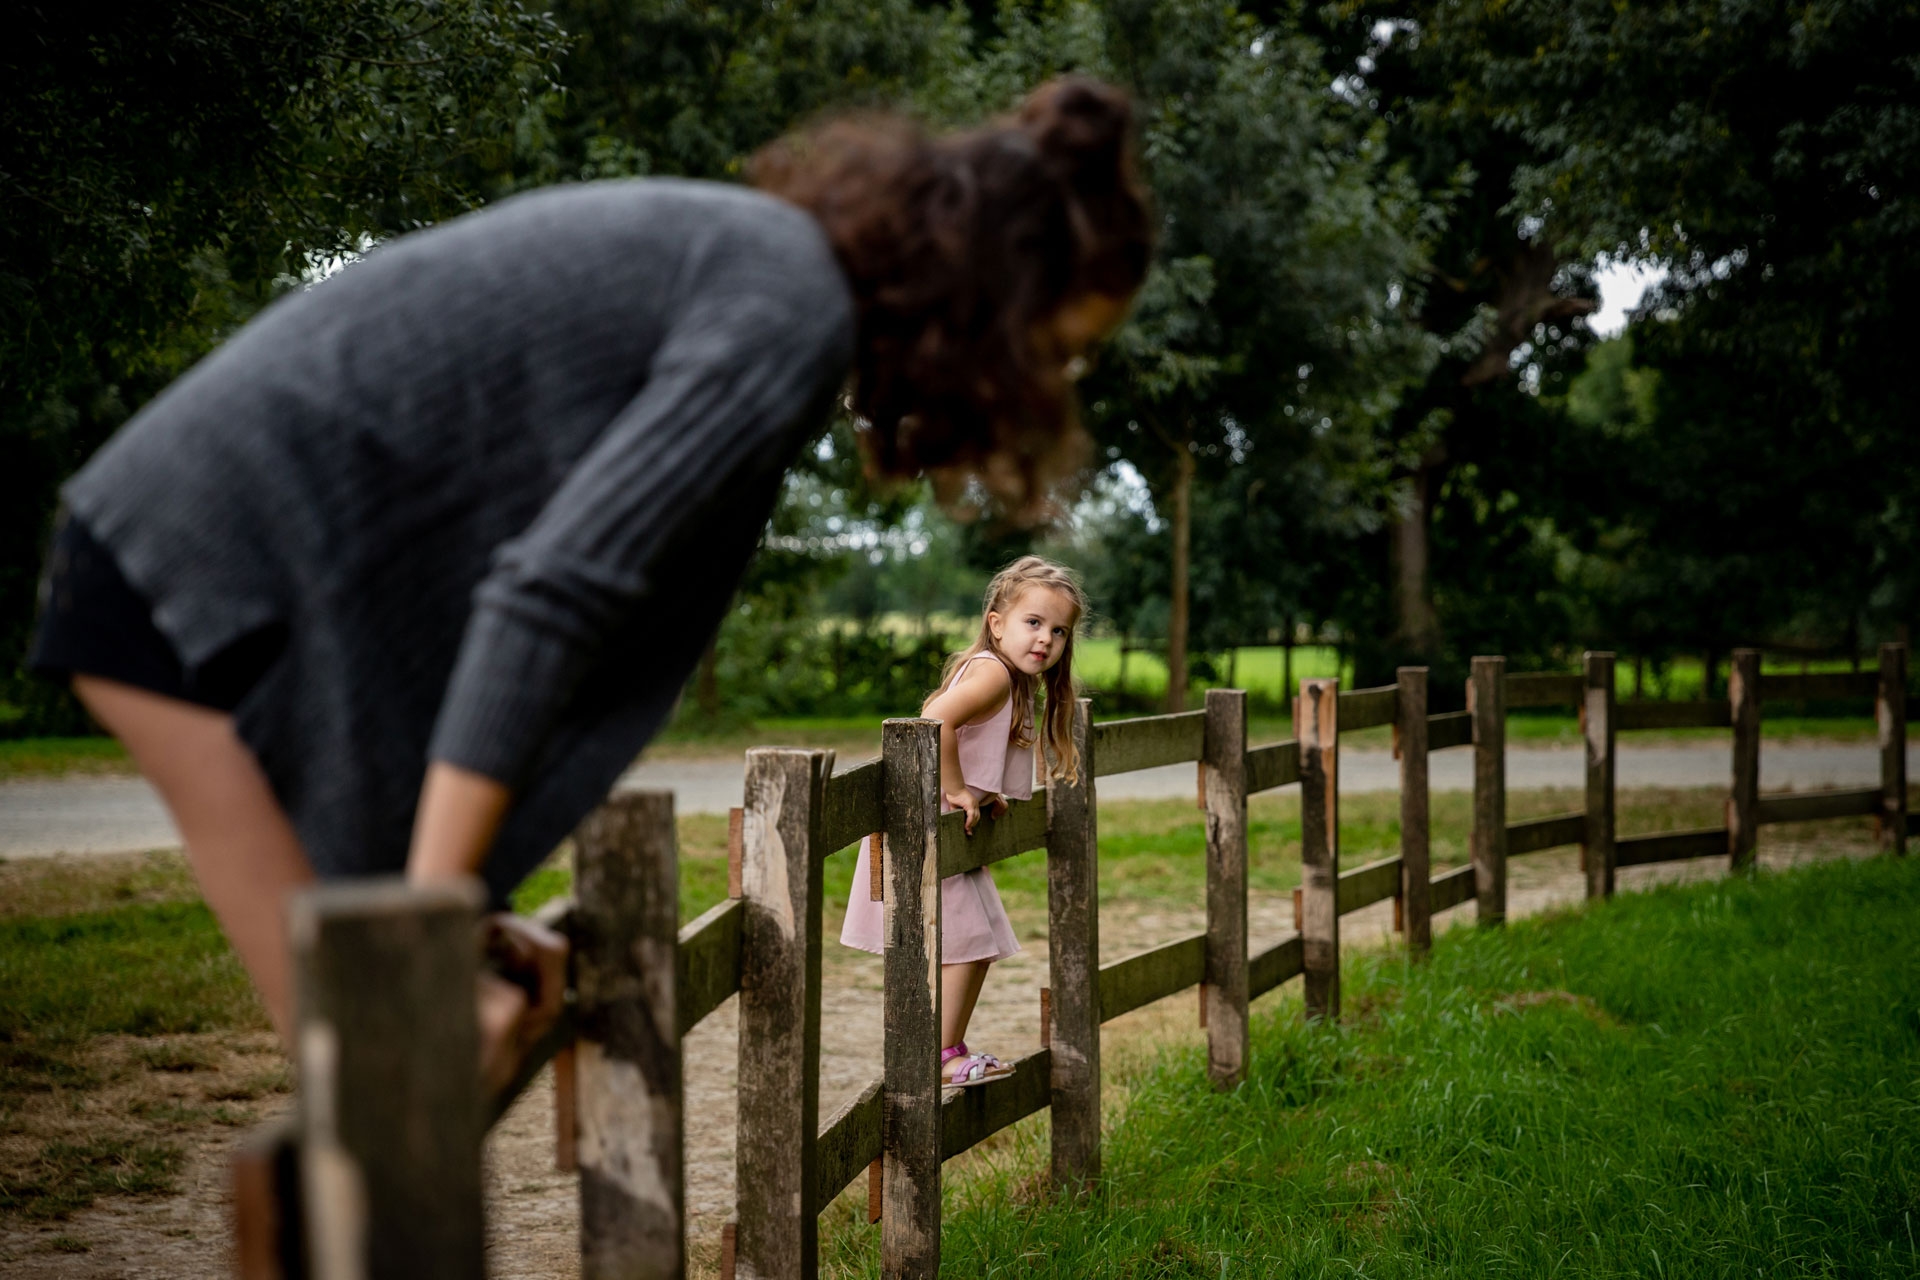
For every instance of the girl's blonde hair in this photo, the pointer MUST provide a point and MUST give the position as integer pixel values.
(1063, 758)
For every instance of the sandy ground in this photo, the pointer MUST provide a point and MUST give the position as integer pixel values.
(41, 817)
(533, 1211)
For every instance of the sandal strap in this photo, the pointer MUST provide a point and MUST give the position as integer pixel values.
(953, 1051)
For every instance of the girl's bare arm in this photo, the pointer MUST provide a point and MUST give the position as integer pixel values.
(976, 695)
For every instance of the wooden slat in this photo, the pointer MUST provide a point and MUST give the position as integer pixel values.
(849, 1142)
(1365, 708)
(1021, 829)
(1451, 888)
(1597, 730)
(1415, 815)
(1223, 994)
(852, 807)
(1317, 721)
(1070, 1012)
(1121, 746)
(970, 1116)
(1671, 846)
(1890, 712)
(1545, 689)
(1813, 806)
(1449, 729)
(1834, 686)
(1283, 960)
(1487, 700)
(1274, 766)
(1743, 698)
(1545, 833)
(1365, 885)
(709, 963)
(1146, 976)
(1672, 715)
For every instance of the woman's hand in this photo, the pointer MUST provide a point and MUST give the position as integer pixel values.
(522, 993)
(963, 799)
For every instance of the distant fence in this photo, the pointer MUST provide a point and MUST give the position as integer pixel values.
(377, 1174)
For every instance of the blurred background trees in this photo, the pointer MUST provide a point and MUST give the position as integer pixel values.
(1360, 401)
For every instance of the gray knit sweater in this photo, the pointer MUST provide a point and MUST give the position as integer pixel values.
(498, 481)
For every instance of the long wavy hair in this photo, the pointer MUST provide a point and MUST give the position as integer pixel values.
(1003, 592)
(958, 249)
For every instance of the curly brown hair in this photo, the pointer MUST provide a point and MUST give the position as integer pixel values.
(959, 249)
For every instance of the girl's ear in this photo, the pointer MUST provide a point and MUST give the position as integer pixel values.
(993, 624)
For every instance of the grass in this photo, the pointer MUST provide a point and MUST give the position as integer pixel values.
(1717, 1080)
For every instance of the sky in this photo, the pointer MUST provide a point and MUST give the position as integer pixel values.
(1621, 286)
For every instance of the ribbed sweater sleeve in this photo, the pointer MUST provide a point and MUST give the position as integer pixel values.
(728, 382)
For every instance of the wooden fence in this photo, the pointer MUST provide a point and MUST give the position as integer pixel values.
(377, 1174)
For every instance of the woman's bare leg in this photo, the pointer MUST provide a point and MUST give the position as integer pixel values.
(240, 843)
(959, 991)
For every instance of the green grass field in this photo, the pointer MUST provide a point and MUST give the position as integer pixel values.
(1720, 1080)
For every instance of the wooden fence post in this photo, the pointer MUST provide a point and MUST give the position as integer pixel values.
(1224, 990)
(779, 1079)
(1410, 734)
(391, 1115)
(1071, 1021)
(1890, 712)
(910, 1101)
(1743, 801)
(627, 1061)
(1318, 725)
(1487, 700)
(1597, 728)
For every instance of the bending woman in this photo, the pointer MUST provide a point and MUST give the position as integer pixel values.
(410, 569)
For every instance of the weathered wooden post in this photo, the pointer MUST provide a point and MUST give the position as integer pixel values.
(1890, 714)
(1318, 725)
(1224, 990)
(1598, 854)
(779, 1107)
(1743, 801)
(1487, 700)
(1410, 739)
(627, 1059)
(1071, 1003)
(910, 1101)
(390, 1113)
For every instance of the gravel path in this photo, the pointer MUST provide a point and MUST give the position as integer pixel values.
(118, 815)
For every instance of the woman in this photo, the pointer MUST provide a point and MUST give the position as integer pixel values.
(433, 546)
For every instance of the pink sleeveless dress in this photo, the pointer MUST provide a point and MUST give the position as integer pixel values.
(974, 925)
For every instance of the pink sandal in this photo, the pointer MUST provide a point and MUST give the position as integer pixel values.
(974, 1068)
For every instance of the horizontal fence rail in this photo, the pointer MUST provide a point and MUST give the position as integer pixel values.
(641, 985)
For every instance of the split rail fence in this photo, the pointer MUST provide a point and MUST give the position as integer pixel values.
(378, 1172)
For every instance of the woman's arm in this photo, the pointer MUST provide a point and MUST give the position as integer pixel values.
(975, 695)
(459, 814)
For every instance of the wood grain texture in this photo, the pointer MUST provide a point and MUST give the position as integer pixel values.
(1743, 798)
(1536, 834)
(1826, 686)
(626, 959)
(391, 1116)
(910, 1106)
(970, 1116)
(1449, 729)
(1890, 720)
(1451, 888)
(779, 1076)
(1273, 766)
(1486, 699)
(1072, 1023)
(1365, 885)
(1366, 708)
(1283, 960)
(1814, 806)
(1545, 689)
(709, 962)
(1225, 996)
(851, 807)
(1319, 726)
(1672, 715)
(1598, 717)
(849, 1142)
(1415, 813)
(264, 1182)
(1154, 974)
(1672, 846)
(1148, 742)
(1021, 829)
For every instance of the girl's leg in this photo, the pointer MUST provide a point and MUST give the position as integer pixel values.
(959, 991)
(240, 843)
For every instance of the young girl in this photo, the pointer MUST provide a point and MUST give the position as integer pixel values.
(985, 707)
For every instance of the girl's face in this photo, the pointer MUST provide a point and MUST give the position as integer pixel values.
(1032, 633)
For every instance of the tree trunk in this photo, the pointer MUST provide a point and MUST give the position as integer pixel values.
(1639, 676)
(1182, 555)
(1417, 634)
(707, 691)
(1287, 691)
(1126, 647)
